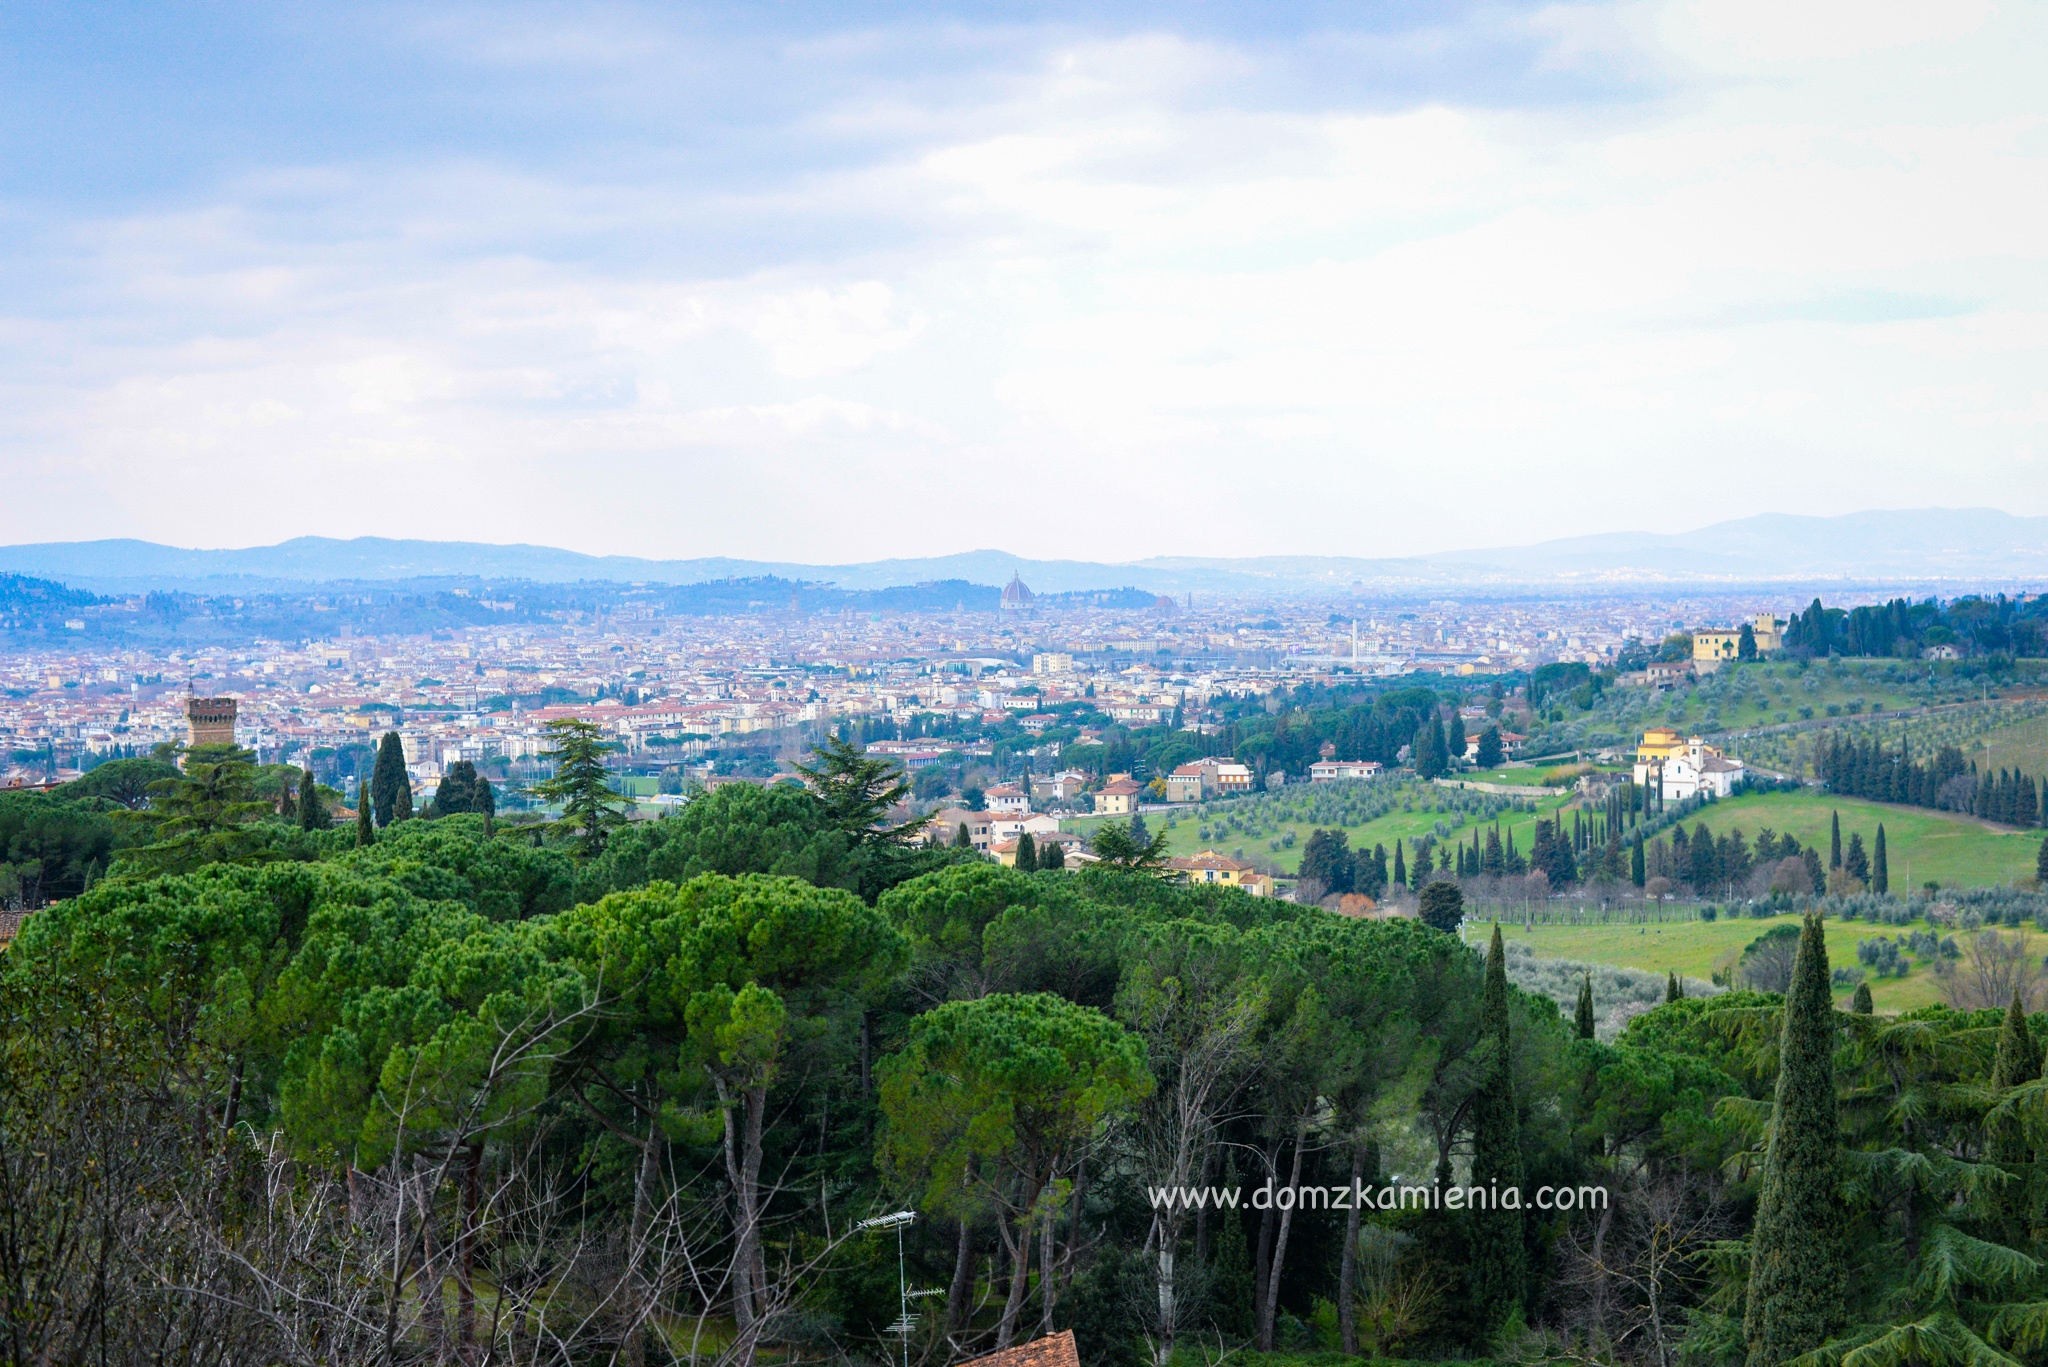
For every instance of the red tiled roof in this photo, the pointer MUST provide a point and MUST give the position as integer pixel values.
(1054, 1350)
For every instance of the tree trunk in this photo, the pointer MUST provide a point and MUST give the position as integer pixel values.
(636, 1245)
(756, 1101)
(1169, 1298)
(1047, 1288)
(465, 1257)
(1270, 1308)
(433, 1307)
(1263, 1261)
(962, 1285)
(1017, 1243)
(1347, 1269)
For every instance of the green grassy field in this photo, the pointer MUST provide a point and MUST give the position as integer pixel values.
(1690, 948)
(1272, 823)
(1923, 846)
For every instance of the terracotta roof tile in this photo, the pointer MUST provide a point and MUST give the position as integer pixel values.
(1055, 1350)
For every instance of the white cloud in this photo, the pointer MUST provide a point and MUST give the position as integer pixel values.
(1788, 280)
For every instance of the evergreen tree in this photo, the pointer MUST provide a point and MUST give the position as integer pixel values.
(1053, 856)
(1326, 860)
(1498, 1260)
(1861, 1003)
(1490, 753)
(1027, 853)
(582, 784)
(1233, 1290)
(1139, 833)
(1834, 841)
(1880, 867)
(487, 806)
(1584, 1016)
(1401, 872)
(366, 834)
(1856, 863)
(1454, 740)
(2015, 1062)
(312, 814)
(1494, 861)
(962, 840)
(1443, 907)
(1635, 861)
(1795, 1270)
(388, 779)
(456, 792)
(1745, 643)
(1672, 991)
(2041, 863)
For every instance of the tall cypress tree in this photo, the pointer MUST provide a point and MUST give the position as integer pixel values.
(487, 804)
(1027, 853)
(312, 816)
(388, 778)
(1672, 991)
(1795, 1255)
(1635, 861)
(1834, 841)
(1880, 867)
(1583, 1018)
(1400, 869)
(1498, 1267)
(366, 834)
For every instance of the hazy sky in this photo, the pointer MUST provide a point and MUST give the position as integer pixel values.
(827, 282)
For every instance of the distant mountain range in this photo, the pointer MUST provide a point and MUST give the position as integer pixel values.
(1964, 547)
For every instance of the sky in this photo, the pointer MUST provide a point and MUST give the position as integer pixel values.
(827, 283)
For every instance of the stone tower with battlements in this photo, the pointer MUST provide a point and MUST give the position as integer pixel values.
(210, 721)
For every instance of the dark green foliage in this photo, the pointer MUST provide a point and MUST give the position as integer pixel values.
(1582, 1018)
(1027, 853)
(1672, 991)
(1232, 1284)
(1497, 1269)
(457, 791)
(1490, 753)
(47, 845)
(450, 860)
(1856, 863)
(1860, 1003)
(366, 833)
(1443, 906)
(123, 781)
(1053, 856)
(857, 792)
(1327, 861)
(582, 785)
(1880, 865)
(1104, 1307)
(1400, 870)
(1834, 841)
(313, 815)
(1795, 1274)
(1117, 845)
(963, 839)
(736, 828)
(389, 780)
